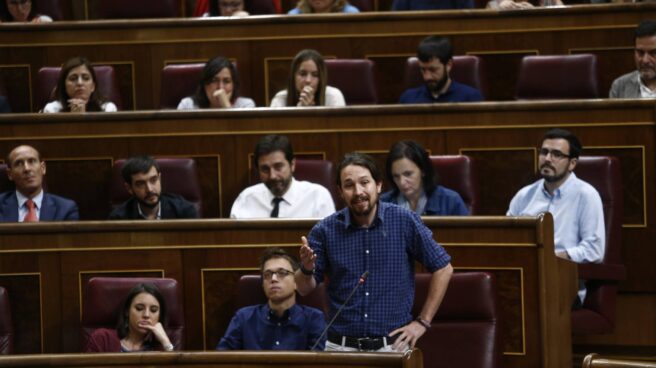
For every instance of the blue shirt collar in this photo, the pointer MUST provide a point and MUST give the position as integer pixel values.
(289, 316)
(345, 216)
(561, 190)
(38, 199)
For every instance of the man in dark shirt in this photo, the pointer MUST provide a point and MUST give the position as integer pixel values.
(435, 56)
(279, 324)
(382, 240)
(143, 181)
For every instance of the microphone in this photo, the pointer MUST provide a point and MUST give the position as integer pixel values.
(361, 281)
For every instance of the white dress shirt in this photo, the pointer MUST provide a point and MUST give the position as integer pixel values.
(302, 200)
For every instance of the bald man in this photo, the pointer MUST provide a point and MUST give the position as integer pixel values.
(29, 202)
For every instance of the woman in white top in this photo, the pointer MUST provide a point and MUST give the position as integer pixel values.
(21, 11)
(77, 90)
(218, 88)
(307, 83)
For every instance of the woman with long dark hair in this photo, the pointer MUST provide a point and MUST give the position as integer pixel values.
(77, 89)
(21, 11)
(217, 88)
(414, 183)
(141, 325)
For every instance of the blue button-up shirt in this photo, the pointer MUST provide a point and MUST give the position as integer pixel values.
(578, 216)
(257, 327)
(387, 249)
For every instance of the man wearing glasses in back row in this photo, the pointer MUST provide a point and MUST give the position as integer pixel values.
(579, 232)
(280, 323)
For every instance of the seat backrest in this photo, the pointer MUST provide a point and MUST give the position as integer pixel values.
(51, 8)
(259, 7)
(458, 173)
(354, 78)
(46, 83)
(558, 77)
(595, 361)
(362, 5)
(315, 171)
(129, 9)
(104, 297)
(178, 82)
(249, 292)
(6, 328)
(179, 176)
(466, 328)
(604, 174)
(467, 69)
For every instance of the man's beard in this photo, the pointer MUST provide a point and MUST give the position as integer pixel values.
(435, 87)
(552, 178)
(364, 212)
(148, 204)
(278, 187)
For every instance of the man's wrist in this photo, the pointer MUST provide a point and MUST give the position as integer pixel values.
(423, 322)
(306, 272)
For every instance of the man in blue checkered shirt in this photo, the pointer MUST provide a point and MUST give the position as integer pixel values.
(385, 240)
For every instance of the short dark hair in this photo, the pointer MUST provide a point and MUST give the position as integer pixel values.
(646, 28)
(6, 16)
(574, 143)
(136, 165)
(211, 68)
(272, 143)
(414, 152)
(433, 47)
(123, 325)
(358, 159)
(276, 252)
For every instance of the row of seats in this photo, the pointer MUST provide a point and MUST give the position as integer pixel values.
(459, 173)
(464, 332)
(540, 77)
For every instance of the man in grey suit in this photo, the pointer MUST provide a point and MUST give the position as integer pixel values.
(29, 202)
(642, 82)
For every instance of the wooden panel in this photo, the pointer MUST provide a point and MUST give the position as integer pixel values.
(24, 290)
(501, 38)
(12, 76)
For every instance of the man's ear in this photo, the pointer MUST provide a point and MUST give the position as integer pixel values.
(43, 167)
(293, 165)
(449, 65)
(128, 188)
(379, 186)
(572, 164)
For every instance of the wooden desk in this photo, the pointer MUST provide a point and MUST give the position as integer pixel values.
(219, 359)
(263, 46)
(44, 267)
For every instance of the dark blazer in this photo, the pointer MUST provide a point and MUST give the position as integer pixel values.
(53, 208)
(173, 207)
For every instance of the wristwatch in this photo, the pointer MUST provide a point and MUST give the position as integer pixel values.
(423, 322)
(306, 272)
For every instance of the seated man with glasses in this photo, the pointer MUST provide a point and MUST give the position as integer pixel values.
(279, 324)
(579, 232)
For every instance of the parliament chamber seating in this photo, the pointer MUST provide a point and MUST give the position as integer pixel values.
(355, 78)
(598, 313)
(249, 292)
(259, 7)
(178, 82)
(558, 77)
(362, 5)
(51, 8)
(6, 324)
(107, 86)
(467, 69)
(179, 176)
(465, 332)
(129, 9)
(5, 183)
(103, 301)
(458, 172)
(315, 171)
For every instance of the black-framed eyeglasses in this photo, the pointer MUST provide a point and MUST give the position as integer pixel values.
(280, 274)
(555, 154)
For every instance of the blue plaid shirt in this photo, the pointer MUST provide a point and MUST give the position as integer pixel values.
(387, 249)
